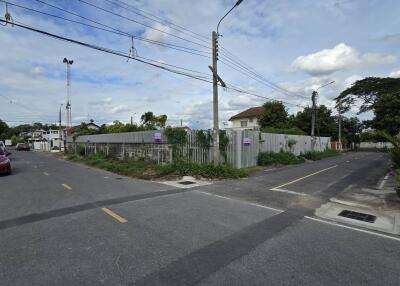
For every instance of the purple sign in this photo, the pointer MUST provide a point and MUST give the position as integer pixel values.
(247, 141)
(157, 137)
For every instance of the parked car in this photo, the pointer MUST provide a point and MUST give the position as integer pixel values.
(22, 147)
(5, 165)
(6, 151)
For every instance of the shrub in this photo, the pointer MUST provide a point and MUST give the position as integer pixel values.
(184, 168)
(318, 155)
(268, 158)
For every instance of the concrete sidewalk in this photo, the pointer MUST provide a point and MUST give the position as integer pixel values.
(381, 202)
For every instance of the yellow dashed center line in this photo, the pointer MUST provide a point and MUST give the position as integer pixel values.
(305, 177)
(66, 186)
(114, 215)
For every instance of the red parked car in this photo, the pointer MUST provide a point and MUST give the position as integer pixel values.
(5, 165)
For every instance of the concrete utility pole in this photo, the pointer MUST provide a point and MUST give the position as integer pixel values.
(59, 129)
(68, 106)
(216, 78)
(216, 154)
(314, 111)
(340, 125)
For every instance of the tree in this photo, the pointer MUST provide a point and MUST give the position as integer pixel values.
(325, 123)
(3, 129)
(380, 95)
(351, 129)
(151, 121)
(274, 115)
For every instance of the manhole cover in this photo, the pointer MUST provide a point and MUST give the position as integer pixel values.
(358, 216)
(186, 183)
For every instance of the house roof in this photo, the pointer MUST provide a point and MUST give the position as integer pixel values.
(248, 113)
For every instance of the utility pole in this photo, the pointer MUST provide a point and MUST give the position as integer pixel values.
(59, 129)
(68, 106)
(216, 154)
(340, 125)
(216, 78)
(314, 111)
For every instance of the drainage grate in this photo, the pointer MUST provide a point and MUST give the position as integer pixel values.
(358, 216)
(186, 183)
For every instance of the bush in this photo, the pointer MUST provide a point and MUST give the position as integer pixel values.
(150, 170)
(269, 158)
(318, 155)
(184, 168)
(395, 150)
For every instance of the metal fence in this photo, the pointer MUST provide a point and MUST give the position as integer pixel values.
(241, 149)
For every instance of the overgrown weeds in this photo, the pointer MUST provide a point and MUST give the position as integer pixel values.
(283, 157)
(319, 155)
(150, 170)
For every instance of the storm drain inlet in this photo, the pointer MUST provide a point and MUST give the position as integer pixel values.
(186, 183)
(358, 216)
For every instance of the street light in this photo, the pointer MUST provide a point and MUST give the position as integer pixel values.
(216, 78)
(314, 110)
(237, 4)
(68, 105)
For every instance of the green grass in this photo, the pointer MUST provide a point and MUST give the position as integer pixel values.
(286, 158)
(150, 170)
(319, 155)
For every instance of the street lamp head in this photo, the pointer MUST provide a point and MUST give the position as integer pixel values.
(71, 62)
(238, 2)
(65, 60)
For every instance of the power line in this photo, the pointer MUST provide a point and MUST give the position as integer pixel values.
(143, 24)
(110, 51)
(108, 28)
(240, 90)
(159, 20)
(240, 64)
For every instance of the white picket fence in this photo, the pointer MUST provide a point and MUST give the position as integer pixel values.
(241, 150)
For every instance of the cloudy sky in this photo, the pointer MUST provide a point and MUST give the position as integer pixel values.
(297, 45)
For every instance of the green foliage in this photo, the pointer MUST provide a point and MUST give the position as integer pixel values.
(319, 155)
(395, 151)
(286, 158)
(150, 120)
(150, 170)
(289, 131)
(184, 168)
(372, 136)
(3, 130)
(325, 124)
(275, 115)
(204, 139)
(177, 138)
(380, 95)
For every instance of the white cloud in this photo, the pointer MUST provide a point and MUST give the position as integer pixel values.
(120, 108)
(155, 34)
(37, 71)
(395, 74)
(339, 57)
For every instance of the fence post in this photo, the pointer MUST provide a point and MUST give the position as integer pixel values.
(95, 149)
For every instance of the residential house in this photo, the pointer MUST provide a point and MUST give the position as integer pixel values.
(247, 119)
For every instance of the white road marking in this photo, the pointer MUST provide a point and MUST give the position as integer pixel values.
(353, 228)
(236, 200)
(46, 174)
(279, 188)
(383, 182)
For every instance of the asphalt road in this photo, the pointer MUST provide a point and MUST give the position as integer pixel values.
(65, 224)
